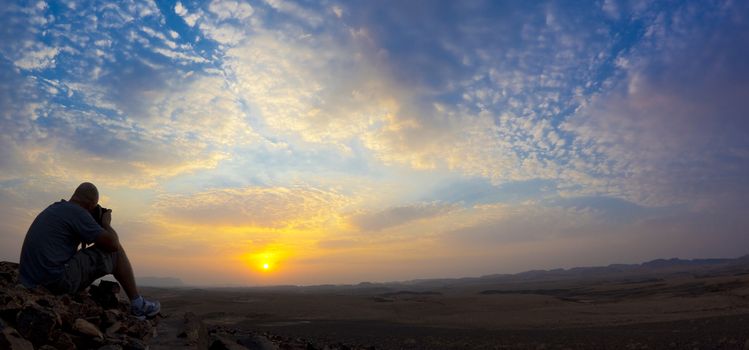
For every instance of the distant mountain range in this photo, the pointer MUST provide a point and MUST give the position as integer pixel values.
(626, 273)
(159, 282)
(653, 269)
(650, 270)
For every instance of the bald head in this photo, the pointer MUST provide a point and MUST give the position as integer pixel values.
(86, 195)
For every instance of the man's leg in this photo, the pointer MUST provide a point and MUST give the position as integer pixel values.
(123, 272)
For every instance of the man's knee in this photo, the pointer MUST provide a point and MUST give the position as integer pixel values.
(92, 264)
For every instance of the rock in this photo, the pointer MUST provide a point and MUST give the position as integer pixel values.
(85, 327)
(115, 328)
(86, 310)
(10, 339)
(9, 307)
(109, 317)
(195, 331)
(36, 318)
(223, 343)
(62, 341)
(746, 345)
(36, 323)
(111, 347)
(257, 342)
(8, 273)
(134, 344)
(105, 294)
(47, 347)
(140, 329)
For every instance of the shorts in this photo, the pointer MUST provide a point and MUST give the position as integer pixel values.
(85, 267)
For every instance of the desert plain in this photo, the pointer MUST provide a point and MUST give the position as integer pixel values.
(662, 304)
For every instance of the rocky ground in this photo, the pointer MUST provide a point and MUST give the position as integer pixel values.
(684, 312)
(98, 318)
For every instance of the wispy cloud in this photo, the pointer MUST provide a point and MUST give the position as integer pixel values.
(381, 131)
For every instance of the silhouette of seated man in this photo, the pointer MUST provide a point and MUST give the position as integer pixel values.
(50, 255)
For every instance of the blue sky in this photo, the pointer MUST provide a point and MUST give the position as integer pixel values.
(351, 141)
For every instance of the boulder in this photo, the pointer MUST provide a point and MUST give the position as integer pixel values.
(109, 317)
(36, 323)
(87, 328)
(194, 331)
(34, 318)
(105, 294)
(63, 341)
(111, 347)
(10, 339)
(224, 343)
(257, 342)
(10, 305)
(134, 344)
(115, 328)
(136, 328)
(8, 273)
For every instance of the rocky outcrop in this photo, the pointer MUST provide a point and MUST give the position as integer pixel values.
(96, 319)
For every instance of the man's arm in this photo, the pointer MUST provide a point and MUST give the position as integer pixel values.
(108, 240)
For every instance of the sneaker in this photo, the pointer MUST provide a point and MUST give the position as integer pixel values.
(142, 308)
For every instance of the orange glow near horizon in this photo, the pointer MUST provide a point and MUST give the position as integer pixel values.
(264, 261)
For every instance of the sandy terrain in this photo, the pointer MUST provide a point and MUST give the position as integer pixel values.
(673, 310)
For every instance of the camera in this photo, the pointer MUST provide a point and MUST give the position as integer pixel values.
(97, 213)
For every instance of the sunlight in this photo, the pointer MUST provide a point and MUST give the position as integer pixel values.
(264, 261)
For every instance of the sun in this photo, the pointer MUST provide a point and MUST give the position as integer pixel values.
(266, 261)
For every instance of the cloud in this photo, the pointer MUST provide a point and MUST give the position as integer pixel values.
(298, 87)
(180, 9)
(309, 17)
(672, 130)
(395, 216)
(497, 224)
(275, 207)
(225, 9)
(37, 57)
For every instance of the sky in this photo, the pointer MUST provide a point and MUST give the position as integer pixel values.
(280, 142)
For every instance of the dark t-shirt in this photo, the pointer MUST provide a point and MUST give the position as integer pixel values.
(52, 240)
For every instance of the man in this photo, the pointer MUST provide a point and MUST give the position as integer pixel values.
(50, 255)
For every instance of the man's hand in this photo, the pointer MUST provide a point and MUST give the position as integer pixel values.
(106, 218)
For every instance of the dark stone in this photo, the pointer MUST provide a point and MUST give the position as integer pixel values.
(110, 317)
(11, 340)
(222, 343)
(37, 319)
(63, 341)
(257, 342)
(9, 306)
(105, 294)
(134, 344)
(43, 302)
(111, 347)
(137, 328)
(84, 310)
(195, 331)
(36, 323)
(8, 273)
